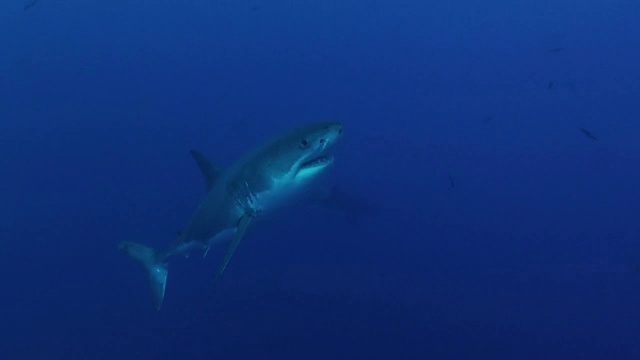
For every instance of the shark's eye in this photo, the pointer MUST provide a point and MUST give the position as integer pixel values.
(304, 143)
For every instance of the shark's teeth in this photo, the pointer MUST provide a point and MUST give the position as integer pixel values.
(312, 168)
(318, 162)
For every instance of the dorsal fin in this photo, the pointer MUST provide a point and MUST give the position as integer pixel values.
(208, 170)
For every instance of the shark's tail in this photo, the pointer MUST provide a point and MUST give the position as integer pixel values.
(154, 265)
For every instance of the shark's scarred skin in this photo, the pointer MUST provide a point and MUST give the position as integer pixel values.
(267, 178)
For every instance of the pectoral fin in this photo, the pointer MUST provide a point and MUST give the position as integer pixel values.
(210, 171)
(243, 224)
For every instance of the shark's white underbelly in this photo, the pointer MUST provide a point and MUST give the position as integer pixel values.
(269, 202)
(261, 204)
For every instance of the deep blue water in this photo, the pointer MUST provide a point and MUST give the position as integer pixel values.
(501, 230)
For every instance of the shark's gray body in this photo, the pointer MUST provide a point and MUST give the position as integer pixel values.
(264, 180)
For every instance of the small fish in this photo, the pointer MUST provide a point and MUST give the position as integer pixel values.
(550, 85)
(29, 4)
(451, 182)
(487, 119)
(556, 50)
(588, 134)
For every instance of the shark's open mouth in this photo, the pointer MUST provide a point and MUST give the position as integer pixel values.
(320, 161)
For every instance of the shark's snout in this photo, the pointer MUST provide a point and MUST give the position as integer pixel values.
(331, 133)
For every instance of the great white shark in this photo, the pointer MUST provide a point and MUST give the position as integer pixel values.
(271, 176)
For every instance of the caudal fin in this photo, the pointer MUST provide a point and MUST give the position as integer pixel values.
(156, 268)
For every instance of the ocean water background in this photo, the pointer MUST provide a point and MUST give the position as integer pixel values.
(501, 231)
